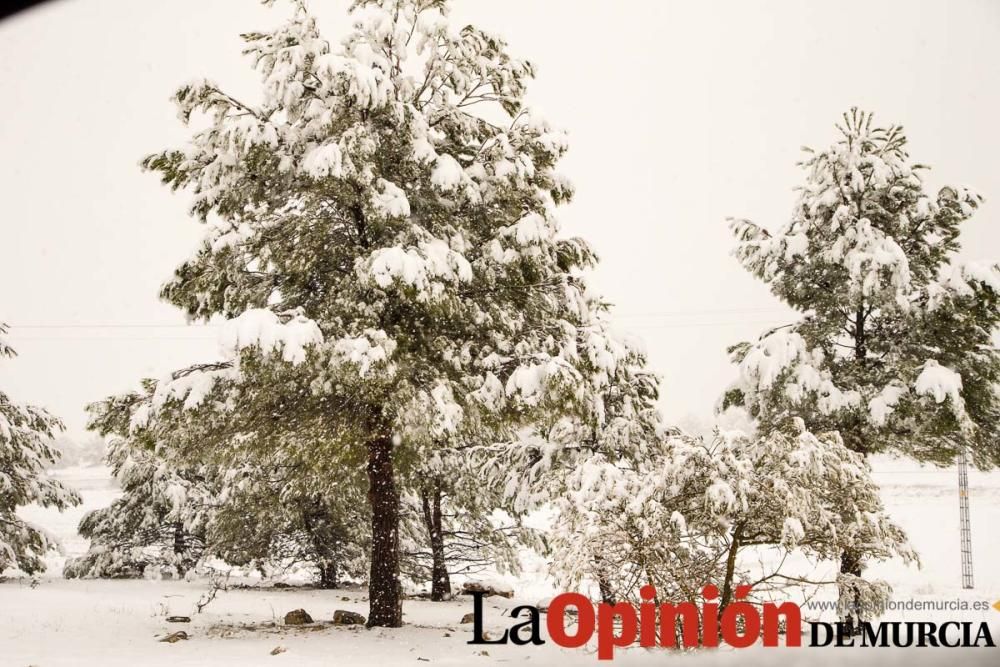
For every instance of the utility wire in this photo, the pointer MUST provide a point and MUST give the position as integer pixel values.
(686, 317)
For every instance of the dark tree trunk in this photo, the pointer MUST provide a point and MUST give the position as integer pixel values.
(607, 594)
(850, 560)
(440, 582)
(325, 539)
(178, 538)
(328, 575)
(728, 590)
(604, 583)
(860, 339)
(179, 545)
(384, 591)
(850, 563)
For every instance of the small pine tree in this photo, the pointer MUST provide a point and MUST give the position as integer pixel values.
(269, 515)
(159, 520)
(26, 434)
(894, 347)
(279, 517)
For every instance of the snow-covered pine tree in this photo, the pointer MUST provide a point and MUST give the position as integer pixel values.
(894, 348)
(279, 516)
(159, 520)
(268, 514)
(26, 434)
(382, 231)
(620, 428)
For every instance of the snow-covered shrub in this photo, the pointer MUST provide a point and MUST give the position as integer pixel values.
(693, 512)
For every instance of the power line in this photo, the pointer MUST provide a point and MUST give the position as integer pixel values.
(708, 311)
(113, 325)
(688, 325)
(113, 338)
(175, 325)
(14, 335)
(51, 326)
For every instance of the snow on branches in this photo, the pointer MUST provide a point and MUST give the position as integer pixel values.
(382, 232)
(385, 186)
(894, 347)
(695, 511)
(26, 450)
(267, 332)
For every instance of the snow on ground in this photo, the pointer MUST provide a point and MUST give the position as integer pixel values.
(109, 623)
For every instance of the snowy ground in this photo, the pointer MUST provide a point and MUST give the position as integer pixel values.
(81, 623)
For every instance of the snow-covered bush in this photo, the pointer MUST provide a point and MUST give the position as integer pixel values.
(695, 511)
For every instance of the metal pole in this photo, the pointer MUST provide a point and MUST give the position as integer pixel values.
(963, 511)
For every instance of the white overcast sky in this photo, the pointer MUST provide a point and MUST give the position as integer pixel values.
(680, 114)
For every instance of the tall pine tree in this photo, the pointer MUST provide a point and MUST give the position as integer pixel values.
(894, 348)
(382, 232)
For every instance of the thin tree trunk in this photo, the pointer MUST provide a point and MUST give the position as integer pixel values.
(850, 560)
(384, 591)
(178, 538)
(322, 534)
(604, 586)
(727, 584)
(440, 582)
(179, 549)
(607, 593)
(850, 563)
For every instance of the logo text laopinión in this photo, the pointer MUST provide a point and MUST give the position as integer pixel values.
(741, 624)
